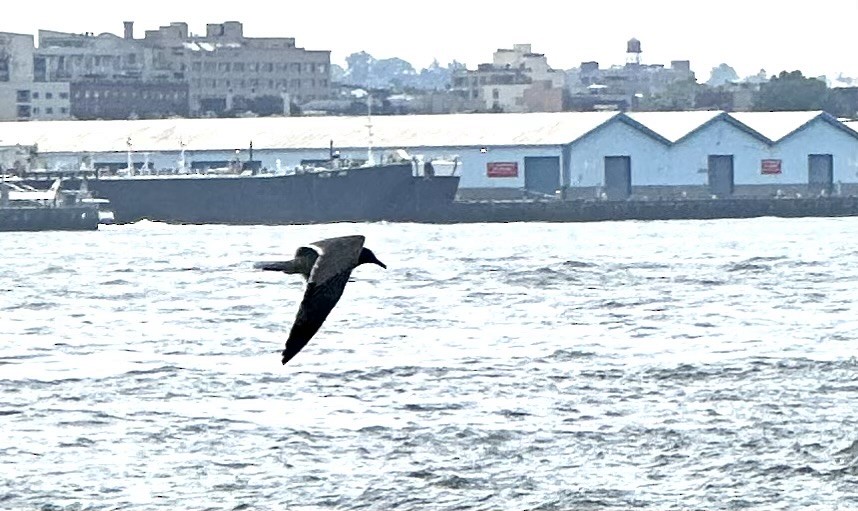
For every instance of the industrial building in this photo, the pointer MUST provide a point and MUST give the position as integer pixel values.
(517, 80)
(587, 155)
(168, 72)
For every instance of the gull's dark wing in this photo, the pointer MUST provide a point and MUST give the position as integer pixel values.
(319, 299)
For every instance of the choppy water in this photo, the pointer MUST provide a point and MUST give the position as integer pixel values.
(660, 365)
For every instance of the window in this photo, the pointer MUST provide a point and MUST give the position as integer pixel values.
(238, 67)
(268, 67)
(48, 95)
(210, 66)
(35, 110)
(64, 95)
(495, 94)
(197, 66)
(49, 110)
(223, 67)
(24, 97)
(323, 83)
(64, 110)
(24, 111)
(35, 95)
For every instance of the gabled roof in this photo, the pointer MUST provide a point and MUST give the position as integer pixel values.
(643, 128)
(675, 125)
(776, 126)
(678, 126)
(401, 131)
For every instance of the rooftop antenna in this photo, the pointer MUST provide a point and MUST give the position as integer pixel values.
(181, 161)
(369, 158)
(130, 165)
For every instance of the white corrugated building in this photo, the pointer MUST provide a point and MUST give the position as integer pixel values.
(590, 154)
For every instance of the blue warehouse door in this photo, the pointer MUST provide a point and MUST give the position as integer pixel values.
(721, 175)
(542, 174)
(618, 177)
(820, 173)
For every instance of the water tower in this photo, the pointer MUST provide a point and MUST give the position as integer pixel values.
(633, 52)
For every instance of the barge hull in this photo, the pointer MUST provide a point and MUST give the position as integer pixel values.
(67, 218)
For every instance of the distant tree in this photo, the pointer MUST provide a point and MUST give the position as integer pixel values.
(364, 70)
(722, 74)
(358, 67)
(337, 73)
(791, 91)
(678, 95)
(434, 77)
(843, 102)
(267, 105)
(393, 72)
(713, 98)
(760, 77)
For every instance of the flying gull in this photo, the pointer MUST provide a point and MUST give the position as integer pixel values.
(326, 266)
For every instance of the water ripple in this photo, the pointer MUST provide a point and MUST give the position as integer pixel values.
(616, 365)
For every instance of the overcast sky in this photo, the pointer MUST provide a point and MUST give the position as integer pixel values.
(817, 37)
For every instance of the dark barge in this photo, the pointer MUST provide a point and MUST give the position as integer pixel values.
(391, 192)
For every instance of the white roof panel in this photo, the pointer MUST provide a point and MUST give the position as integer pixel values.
(674, 125)
(395, 131)
(775, 125)
(305, 132)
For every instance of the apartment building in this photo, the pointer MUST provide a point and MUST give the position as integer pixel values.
(517, 80)
(22, 98)
(227, 71)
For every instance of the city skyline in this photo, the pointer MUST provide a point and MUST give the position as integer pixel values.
(761, 35)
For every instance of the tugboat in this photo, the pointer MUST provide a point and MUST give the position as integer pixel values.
(24, 208)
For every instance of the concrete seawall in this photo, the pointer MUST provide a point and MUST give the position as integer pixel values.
(594, 211)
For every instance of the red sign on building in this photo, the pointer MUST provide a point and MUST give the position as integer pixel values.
(770, 167)
(502, 169)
